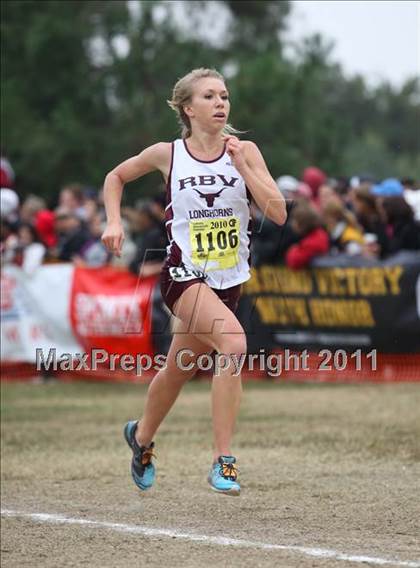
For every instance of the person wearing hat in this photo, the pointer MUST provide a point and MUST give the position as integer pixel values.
(45, 227)
(390, 187)
(9, 203)
(314, 178)
(7, 175)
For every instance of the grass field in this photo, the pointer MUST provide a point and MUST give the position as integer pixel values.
(321, 466)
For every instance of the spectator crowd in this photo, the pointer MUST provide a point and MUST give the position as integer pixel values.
(327, 216)
(331, 216)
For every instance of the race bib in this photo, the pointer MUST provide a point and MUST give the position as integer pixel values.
(215, 242)
(183, 274)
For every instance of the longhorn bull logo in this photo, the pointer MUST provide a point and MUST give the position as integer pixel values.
(209, 197)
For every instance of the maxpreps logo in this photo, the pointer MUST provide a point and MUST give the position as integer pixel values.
(208, 180)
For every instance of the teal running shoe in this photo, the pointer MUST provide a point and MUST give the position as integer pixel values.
(223, 476)
(142, 469)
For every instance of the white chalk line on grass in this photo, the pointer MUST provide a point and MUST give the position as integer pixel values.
(217, 540)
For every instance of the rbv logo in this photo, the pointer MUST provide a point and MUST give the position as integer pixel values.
(207, 180)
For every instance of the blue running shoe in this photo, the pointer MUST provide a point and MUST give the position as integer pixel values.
(223, 476)
(142, 469)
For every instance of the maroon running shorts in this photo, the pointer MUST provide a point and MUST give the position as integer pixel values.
(172, 290)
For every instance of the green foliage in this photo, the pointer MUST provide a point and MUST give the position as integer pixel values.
(74, 103)
(54, 112)
(257, 25)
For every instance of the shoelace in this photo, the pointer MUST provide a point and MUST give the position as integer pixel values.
(229, 471)
(147, 455)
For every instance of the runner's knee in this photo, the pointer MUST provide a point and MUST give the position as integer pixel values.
(233, 344)
(183, 366)
(180, 372)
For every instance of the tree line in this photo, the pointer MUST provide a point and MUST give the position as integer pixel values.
(84, 85)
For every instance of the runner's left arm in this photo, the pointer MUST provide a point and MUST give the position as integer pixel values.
(249, 162)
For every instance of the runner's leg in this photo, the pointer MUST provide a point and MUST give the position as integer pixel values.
(214, 324)
(168, 382)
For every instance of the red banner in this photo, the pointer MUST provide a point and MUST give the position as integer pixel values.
(110, 309)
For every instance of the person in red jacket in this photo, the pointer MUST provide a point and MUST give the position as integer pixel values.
(314, 239)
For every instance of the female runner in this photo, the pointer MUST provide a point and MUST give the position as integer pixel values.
(211, 177)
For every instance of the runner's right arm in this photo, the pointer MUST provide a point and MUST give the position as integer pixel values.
(156, 157)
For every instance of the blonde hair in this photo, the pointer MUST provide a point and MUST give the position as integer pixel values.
(338, 212)
(182, 94)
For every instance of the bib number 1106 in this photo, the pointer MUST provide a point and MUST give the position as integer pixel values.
(215, 242)
(223, 240)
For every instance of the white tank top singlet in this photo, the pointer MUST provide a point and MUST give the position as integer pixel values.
(208, 218)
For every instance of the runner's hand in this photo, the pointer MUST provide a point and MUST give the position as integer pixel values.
(235, 149)
(113, 238)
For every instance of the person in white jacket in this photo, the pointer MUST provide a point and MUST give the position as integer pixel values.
(31, 252)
